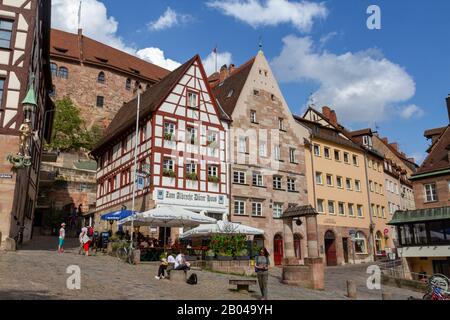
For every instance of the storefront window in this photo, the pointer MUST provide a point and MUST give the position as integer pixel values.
(405, 235)
(379, 242)
(360, 243)
(420, 234)
(437, 232)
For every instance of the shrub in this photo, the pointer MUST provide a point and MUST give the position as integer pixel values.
(169, 173)
(213, 179)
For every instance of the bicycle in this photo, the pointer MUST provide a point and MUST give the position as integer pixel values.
(125, 253)
(438, 288)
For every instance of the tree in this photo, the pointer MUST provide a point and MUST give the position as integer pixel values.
(69, 129)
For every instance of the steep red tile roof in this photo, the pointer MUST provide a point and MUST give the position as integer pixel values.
(228, 91)
(438, 157)
(150, 101)
(67, 45)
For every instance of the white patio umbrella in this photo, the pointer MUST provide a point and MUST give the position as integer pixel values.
(168, 217)
(221, 227)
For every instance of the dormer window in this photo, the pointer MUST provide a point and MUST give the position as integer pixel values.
(192, 100)
(367, 141)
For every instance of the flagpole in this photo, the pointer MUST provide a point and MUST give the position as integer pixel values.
(136, 141)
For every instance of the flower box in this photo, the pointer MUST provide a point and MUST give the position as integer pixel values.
(213, 179)
(169, 173)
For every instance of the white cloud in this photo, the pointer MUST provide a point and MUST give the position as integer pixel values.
(156, 56)
(272, 12)
(210, 61)
(361, 86)
(411, 111)
(98, 25)
(169, 19)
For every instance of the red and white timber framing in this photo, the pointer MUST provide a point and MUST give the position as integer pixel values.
(185, 134)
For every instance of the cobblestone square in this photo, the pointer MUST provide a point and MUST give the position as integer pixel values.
(37, 272)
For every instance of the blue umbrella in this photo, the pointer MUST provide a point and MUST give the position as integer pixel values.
(117, 215)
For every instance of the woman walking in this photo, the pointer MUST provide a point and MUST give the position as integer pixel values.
(85, 240)
(262, 271)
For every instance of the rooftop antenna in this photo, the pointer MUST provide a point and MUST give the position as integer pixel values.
(311, 101)
(260, 45)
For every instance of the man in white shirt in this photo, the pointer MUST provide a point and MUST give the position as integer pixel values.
(62, 237)
(180, 262)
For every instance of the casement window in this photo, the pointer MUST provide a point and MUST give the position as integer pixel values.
(326, 152)
(351, 210)
(291, 185)
(192, 98)
(329, 180)
(292, 155)
(128, 84)
(54, 69)
(316, 150)
(116, 183)
(242, 145)
(355, 161)
(281, 124)
(373, 209)
(346, 158)
(239, 207)
(383, 212)
(360, 211)
(358, 185)
(331, 208)
(253, 116)
(320, 208)
(341, 208)
(169, 131)
(430, 192)
(63, 73)
(257, 209)
(213, 171)
(339, 182)
(212, 139)
(277, 152)
(258, 179)
(101, 77)
(319, 178)
(168, 164)
(191, 168)
(263, 149)
(348, 184)
(378, 211)
(100, 101)
(371, 186)
(239, 177)
(360, 243)
(191, 135)
(277, 182)
(6, 27)
(337, 155)
(277, 210)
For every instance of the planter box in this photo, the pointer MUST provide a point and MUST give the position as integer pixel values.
(210, 258)
(224, 258)
(244, 258)
(191, 258)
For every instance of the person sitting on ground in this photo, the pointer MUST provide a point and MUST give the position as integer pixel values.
(181, 263)
(162, 268)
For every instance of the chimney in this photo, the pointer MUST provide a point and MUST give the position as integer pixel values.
(326, 112)
(385, 140)
(223, 73)
(333, 118)
(231, 69)
(448, 106)
(395, 146)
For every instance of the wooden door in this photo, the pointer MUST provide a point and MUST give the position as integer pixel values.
(330, 249)
(278, 250)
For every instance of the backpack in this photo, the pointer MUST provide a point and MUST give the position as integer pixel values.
(90, 232)
(192, 279)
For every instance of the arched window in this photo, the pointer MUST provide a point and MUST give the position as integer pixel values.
(379, 243)
(360, 243)
(101, 77)
(54, 68)
(63, 73)
(128, 84)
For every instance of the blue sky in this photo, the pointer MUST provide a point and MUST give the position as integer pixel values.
(396, 78)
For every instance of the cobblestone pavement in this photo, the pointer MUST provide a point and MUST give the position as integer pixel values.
(38, 272)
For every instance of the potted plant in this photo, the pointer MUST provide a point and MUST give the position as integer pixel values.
(192, 176)
(226, 255)
(213, 179)
(169, 173)
(168, 136)
(242, 255)
(210, 255)
(212, 144)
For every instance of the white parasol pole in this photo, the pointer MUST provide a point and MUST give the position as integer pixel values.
(135, 164)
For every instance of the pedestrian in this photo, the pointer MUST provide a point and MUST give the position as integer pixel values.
(62, 237)
(80, 238)
(262, 271)
(85, 240)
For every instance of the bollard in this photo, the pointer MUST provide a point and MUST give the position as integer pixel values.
(386, 296)
(351, 289)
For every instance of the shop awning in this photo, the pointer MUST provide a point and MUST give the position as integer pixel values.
(422, 215)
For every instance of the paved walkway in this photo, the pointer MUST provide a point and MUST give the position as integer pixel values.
(38, 272)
